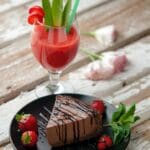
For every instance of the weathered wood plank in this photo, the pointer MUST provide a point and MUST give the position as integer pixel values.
(117, 16)
(16, 29)
(143, 110)
(140, 138)
(7, 147)
(7, 5)
(134, 92)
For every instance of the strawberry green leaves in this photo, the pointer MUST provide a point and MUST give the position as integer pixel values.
(48, 12)
(57, 10)
(18, 117)
(121, 122)
(27, 138)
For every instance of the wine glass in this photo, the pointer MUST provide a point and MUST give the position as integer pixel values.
(54, 49)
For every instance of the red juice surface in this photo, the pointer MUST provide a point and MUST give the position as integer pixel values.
(54, 48)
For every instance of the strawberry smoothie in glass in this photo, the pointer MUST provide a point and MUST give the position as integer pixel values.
(55, 37)
(54, 49)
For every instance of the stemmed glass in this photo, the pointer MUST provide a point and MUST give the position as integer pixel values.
(54, 49)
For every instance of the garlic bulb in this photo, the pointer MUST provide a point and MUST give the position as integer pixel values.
(106, 35)
(111, 63)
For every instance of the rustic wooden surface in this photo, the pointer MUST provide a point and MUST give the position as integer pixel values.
(19, 55)
(131, 18)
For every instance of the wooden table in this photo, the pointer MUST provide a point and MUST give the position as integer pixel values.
(20, 73)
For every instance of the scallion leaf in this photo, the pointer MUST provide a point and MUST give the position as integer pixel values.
(48, 15)
(57, 10)
(66, 12)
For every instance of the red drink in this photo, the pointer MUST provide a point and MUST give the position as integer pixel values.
(54, 48)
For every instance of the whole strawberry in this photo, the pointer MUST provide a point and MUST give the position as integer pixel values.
(27, 122)
(98, 105)
(29, 138)
(104, 142)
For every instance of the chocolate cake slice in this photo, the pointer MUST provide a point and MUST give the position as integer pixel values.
(71, 121)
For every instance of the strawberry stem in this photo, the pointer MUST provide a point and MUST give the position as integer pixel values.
(18, 117)
(27, 138)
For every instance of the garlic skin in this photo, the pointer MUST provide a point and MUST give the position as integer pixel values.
(106, 35)
(111, 63)
(99, 71)
(117, 59)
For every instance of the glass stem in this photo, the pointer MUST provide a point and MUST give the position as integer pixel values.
(54, 78)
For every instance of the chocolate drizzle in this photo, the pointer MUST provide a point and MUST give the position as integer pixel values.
(68, 110)
(83, 126)
(78, 131)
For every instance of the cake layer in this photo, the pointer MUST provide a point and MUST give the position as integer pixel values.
(71, 121)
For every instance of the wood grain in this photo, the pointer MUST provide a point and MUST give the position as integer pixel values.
(140, 138)
(19, 67)
(134, 92)
(7, 5)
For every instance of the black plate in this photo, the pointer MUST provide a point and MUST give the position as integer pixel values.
(37, 108)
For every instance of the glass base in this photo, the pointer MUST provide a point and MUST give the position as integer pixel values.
(45, 90)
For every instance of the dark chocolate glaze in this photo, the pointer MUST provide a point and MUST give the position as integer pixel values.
(65, 114)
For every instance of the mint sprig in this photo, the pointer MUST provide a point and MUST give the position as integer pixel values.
(121, 122)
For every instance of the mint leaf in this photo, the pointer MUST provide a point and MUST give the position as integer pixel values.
(130, 120)
(48, 14)
(121, 110)
(119, 133)
(130, 112)
(127, 130)
(136, 118)
(66, 12)
(57, 10)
